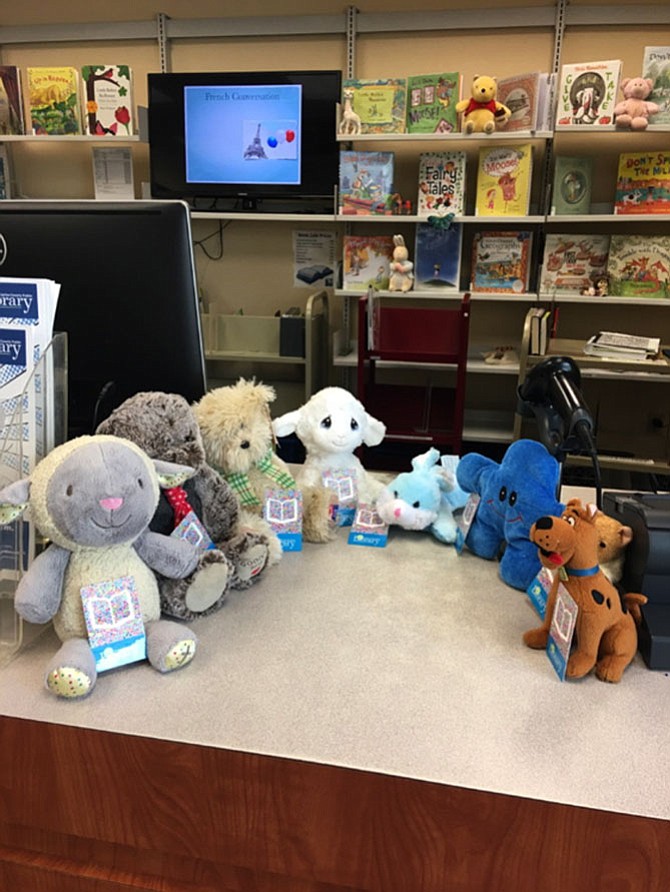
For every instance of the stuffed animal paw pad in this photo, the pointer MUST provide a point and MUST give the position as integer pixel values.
(179, 655)
(208, 586)
(68, 681)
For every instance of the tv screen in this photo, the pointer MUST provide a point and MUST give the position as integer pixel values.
(244, 137)
(128, 298)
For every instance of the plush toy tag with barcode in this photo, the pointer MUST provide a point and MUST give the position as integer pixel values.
(191, 530)
(464, 520)
(538, 590)
(343, 483)
(282, 509)
(114, 622)
(368, 528)
(561, 631)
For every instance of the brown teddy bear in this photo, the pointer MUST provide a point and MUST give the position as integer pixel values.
(236, 428)
(613, 540)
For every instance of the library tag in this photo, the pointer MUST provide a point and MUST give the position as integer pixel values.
(344, 485)
(368, 528)
(561, 630)
(114, 622)
(191, 530)
(538, 590)
(464, 520)
(282, 509)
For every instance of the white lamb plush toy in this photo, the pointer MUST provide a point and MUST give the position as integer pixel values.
(331, 425)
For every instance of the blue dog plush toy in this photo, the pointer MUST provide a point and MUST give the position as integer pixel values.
(513, 495)
(425, 497)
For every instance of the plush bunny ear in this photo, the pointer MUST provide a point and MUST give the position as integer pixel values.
(399, 241)
(14, 500)
(426, 459)
(171, 474)
(286, 424)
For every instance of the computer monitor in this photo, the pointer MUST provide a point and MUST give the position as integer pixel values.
(128, 299)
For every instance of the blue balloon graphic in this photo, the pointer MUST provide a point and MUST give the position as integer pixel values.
(272, 142)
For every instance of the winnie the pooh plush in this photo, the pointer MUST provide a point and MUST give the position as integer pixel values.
(632, 112)
(481, 112)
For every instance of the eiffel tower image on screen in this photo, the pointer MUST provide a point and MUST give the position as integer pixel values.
(255, 149)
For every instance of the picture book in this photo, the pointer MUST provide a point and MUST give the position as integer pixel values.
(504, 181)
(643, 183)
(53, 100)
(546, 114)
(437, 257)
(639, 266)
(367, 262)
(587, 94)
(572, 263)
(656, 65)
(5, 173)
(380, 104)
(571, 192)
(501, 261)
(441, 184)
(431, 102)
(11, 101)
(107, 97)
(521, 94)
(366, 182)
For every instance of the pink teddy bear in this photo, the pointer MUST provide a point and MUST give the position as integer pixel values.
(634, 110)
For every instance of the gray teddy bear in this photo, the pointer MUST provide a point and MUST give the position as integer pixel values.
(93, 498)
(165, 427)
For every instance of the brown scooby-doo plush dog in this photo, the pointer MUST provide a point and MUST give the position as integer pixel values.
(606, 629)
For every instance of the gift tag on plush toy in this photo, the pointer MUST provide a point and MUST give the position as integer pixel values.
(344, 485)
(282, 509)
(561, 631)
(368, 528)
(114, 622)
(464, 520)
(191, 529)
(538, 590)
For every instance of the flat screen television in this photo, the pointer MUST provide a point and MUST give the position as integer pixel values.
(128, 298)
(249, 140)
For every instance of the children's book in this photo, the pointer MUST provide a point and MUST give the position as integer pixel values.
(546, 113)
(441, 184)
(437, 257)
(643, 183)
(107, 97)
(5, 173)
(11, 101)
(504, 181)
(639, 266)
(572, 263)
(380, 104)
(587, 94)
(366, 182)
(367, 262)
(501, 261)
(656, 65)
(431, 102)
(571, 192)
(53, 99)
(521, 94)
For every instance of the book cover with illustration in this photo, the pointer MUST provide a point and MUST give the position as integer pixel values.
(366, 262)
(501, 261)
(11, 101)
(639, 266)
(441, 184)
(380, 104)
(107, 97)
(431, 102)
(504, 181)
(365, 182)
(572, 263)
(656, 65)
(5, 173)
(53, 100)
(643, 183)
(571, 192)
(437, 257)
(521, 94)
(587, 94)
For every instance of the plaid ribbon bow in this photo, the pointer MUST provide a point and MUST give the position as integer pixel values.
(266, 465)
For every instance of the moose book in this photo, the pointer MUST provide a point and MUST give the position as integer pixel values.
(504, 181)
(431, 102)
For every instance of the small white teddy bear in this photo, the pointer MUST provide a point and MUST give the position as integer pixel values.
(402, 275)
(331, 425)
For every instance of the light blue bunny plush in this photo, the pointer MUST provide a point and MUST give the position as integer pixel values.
(426, 497)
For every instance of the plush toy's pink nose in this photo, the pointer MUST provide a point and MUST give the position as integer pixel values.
(111, 504)
(396, 513)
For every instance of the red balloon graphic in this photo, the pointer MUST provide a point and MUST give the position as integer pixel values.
(290, 135)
